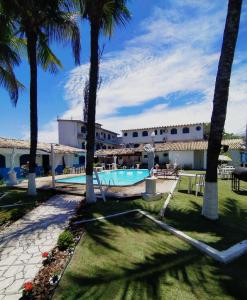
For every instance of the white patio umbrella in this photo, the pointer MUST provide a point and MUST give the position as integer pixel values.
(224, 158)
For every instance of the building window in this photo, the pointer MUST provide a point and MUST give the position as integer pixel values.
(174, 131)
(145, 156)
(83, 146)
(104, 147)
(104, 135)
(2, 161)
(165, 154)
(135, 134)
(186, 130)
(125, 134)
(83, 129)
(144, 133)
(161, 131)
(198, 128)
(156, 131)
(109, 136)
(136, 145)
(97, 134)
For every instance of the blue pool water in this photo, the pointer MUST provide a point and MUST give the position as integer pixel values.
(113, 177)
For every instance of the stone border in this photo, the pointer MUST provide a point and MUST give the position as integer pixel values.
(224, 256)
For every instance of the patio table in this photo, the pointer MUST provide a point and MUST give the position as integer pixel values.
(190, 176)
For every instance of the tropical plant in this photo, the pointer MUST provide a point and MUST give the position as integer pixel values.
(65, 240)
(42, 22)
(9, 57)
(102, 15)
(210, 201)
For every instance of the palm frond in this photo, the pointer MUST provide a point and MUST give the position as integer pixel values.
(46, 58)
(10, 83)
(63, 28)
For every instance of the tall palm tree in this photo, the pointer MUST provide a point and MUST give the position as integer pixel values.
(42, 22)
(210, 201)
(9, 57)
(103, 15)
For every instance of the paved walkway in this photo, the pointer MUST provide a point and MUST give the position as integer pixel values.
(22, 243)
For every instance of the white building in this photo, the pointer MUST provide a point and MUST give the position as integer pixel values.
(73, 133)
(187, 132)
(186, 154)
(15, 153)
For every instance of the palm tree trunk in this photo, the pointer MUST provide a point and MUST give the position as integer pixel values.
(32, 57)
(210, 201)
(93, 85)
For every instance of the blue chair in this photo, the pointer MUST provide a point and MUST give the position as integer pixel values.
(59, 169)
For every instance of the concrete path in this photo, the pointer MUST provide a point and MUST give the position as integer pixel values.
(22, 243)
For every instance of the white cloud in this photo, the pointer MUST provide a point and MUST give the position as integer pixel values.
(171, 54)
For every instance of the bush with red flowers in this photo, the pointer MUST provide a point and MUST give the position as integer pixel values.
(45, 254)
(27, 292)
(48, 257)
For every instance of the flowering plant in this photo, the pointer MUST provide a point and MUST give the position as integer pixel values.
(28, 286)
(45, 254)
(27, 290)
(48, 257)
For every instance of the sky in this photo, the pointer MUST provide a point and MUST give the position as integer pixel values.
(157, 70)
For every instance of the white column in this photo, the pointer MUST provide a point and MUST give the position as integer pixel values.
(53, 166)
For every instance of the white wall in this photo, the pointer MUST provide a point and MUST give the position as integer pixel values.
(68, 133)
(180, 136)
(236, 158)
(182, 158)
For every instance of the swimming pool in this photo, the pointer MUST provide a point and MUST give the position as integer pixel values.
(112, 177)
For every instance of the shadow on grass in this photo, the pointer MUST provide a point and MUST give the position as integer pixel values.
(230, 228)
(166, 273)
(150, 279)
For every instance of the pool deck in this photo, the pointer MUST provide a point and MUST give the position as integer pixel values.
(162, 186)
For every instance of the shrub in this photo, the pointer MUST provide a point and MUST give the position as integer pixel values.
(16, 214)
(65, 240)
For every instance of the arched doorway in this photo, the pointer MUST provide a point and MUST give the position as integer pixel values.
(24, 159)
(82, 160)
(156, 160)
(2, 161)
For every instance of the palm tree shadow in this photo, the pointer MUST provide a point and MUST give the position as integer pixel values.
(146, 279)
(230, 228)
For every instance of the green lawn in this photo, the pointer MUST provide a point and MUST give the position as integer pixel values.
(131, 258)
(184, 213)
(19, 196)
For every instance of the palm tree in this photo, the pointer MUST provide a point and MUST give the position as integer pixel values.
(103, 15)
(42, 22)
(210, 201)
(9, 58)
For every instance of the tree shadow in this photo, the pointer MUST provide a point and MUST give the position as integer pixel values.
(230, 228)
(145, 280)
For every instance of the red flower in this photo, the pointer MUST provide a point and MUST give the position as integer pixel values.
(28, 286)
(45, 254)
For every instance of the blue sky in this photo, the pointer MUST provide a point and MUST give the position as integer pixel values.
(158, 70)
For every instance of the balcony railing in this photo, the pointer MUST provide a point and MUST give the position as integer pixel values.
(97, 138)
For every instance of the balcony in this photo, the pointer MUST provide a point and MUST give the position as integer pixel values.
(105, 140)
(98, 139)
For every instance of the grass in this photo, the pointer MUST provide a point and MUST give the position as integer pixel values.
(184, 213)
(129, 257)
(19, 196)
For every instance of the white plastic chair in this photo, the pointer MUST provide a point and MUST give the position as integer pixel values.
(199, 183)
